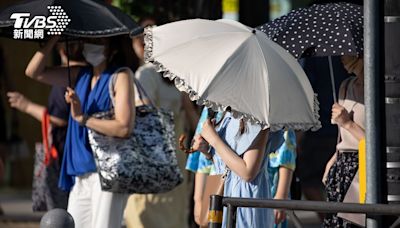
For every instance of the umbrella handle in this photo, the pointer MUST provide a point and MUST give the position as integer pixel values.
(68, 66)
(210, 113)
(332, 79)
(333, 83)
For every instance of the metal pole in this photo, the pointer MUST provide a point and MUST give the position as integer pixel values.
(215, 212)
(373, 87)
(231, 217)
(332, 79)
(396, 223)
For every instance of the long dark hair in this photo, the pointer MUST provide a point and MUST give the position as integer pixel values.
(118, 53)
(242, 125)
(75, 49)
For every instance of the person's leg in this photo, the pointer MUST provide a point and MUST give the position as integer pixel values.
(79, 203)
(338, 182)
(57, 198)
(314, 193)
(132, 208)
(108, 207)
(312, 158)
(146, 210)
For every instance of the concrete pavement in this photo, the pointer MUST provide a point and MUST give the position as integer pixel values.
(17, 207)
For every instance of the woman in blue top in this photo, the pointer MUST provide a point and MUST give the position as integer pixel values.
(281, 164)
(201, 165)
(240, 149)
(89, 206)
(197, 162)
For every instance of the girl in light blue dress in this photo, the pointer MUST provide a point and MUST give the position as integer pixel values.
(241, 149)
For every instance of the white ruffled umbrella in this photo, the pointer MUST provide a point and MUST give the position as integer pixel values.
(224, 63)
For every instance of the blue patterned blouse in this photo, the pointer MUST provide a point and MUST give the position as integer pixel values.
(197, 161)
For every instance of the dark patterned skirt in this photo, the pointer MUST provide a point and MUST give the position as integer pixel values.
(338, 182)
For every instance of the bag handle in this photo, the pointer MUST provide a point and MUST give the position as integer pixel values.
(343, 94)
(113, 80)
(111, 85)
(142, 93)
(221, 186)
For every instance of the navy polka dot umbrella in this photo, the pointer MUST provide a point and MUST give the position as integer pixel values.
(319, 30)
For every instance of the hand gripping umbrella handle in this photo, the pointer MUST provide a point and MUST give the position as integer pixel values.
(210, 113)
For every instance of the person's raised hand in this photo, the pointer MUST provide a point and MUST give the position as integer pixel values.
(18, 101)
(200, 144)
(208, 131)
(340, 115)
(279, 216)
(76, 110)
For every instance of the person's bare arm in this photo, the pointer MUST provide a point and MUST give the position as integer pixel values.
(56, 121)
(355, 130)
(37, 69)
(23, 104)
(282, 191)
(192, 116)
(328, 167)
(285, 179)
(247, 167)
(199, 186)
(122, 125)
(342, 118)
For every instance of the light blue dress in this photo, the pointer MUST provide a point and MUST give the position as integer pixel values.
(235, 186)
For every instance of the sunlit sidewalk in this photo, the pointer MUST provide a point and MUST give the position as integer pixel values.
(17, 207)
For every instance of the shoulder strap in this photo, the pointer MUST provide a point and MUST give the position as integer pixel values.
(342, 95)
(113, 80)
(344, 88)
(142, 93)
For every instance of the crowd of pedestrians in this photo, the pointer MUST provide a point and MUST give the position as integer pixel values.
(240, 158)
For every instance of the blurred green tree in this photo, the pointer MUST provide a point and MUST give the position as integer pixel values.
(171, 10)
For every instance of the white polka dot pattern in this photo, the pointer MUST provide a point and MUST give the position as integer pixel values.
(62, 20)
(320, 30)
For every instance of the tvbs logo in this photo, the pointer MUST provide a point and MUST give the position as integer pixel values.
(33, 28)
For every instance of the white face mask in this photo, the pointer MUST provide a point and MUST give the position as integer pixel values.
(93, 53)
